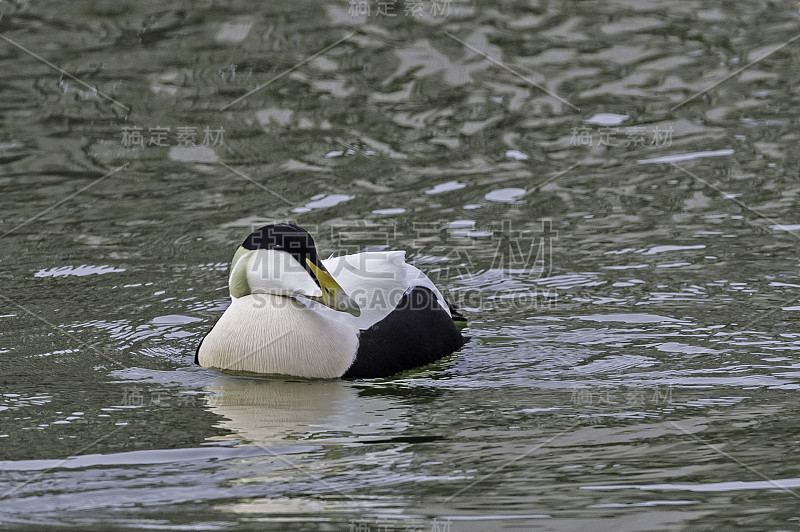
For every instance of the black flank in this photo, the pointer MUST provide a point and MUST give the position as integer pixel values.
(414, 334)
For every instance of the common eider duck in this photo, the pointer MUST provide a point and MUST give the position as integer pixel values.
(365, 315)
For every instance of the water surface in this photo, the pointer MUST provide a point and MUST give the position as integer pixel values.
(612, 203)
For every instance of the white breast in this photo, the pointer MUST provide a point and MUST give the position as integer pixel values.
(271, 334)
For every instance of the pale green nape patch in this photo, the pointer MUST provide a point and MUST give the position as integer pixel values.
(237, 282)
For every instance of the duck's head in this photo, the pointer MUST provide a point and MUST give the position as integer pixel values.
(282, 259)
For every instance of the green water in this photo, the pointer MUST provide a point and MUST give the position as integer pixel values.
(627, 260)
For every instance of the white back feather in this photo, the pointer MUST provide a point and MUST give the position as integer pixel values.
(377, 280)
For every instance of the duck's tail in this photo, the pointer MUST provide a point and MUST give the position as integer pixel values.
(459, 319)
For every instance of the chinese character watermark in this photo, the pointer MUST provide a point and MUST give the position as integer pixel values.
(394, 8)
(135, 396)
(627, 137)
(401, 525)
(160, 136)
(632, 397)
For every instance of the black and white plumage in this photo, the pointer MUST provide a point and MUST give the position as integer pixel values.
(364, 315)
